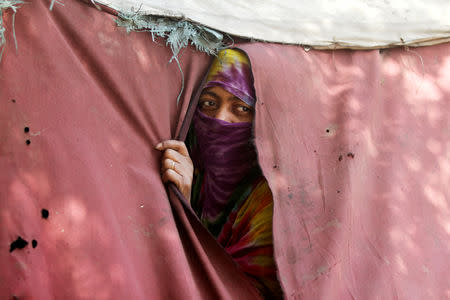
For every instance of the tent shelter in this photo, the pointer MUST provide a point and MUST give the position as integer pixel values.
(355, 146)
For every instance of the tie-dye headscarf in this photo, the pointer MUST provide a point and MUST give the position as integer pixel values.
(231, 70)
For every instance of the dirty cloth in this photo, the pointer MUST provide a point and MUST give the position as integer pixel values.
(95, 101)
(354, 146)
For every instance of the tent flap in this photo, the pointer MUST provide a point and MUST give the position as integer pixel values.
(320, 24)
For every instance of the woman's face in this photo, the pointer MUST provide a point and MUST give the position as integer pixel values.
(216, 102)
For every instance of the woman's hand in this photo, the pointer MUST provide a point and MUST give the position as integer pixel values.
(176, 166)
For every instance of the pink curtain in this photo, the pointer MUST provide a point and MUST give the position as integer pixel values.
(355, 146)
(96, 100)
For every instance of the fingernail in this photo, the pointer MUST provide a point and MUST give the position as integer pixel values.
(158, 146)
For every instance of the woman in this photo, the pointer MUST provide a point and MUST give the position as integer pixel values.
(219, 173)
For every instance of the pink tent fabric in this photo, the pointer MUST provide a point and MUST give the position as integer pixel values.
(355, 146)
(96, 101)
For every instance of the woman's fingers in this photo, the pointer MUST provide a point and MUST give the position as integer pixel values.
(173, 155)
(183, 168)
(182, 183)
(180, 162)
(172, 176)
(176, 165)
(178, 146)
(170, 164)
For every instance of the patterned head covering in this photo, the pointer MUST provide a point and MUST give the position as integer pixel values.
(231, 70)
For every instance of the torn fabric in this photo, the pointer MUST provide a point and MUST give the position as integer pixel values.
(178, 34)
(4, 6)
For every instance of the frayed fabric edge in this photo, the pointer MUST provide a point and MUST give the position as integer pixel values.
(14, 5)
(178, 33)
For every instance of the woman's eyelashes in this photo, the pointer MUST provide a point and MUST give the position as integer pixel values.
(242, 109)
(207, 104)
(230, 110)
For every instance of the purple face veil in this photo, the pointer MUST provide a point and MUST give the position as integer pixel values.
(225, 154)
(224, 151)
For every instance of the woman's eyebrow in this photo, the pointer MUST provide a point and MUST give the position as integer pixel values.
(236, 99)
(212, 94)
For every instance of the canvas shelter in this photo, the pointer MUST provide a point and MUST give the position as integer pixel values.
(354, 144)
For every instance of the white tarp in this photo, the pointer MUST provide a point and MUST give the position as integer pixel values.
(318, 23)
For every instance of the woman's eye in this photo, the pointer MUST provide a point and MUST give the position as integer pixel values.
(243, 108)
(207, 104)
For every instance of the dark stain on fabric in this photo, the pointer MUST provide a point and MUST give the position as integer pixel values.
(34, 243)
(327, 130)
(14, 297)
(26, 129)
(291, 255)
(20, 243)
(340, 157)
(13, 100)
(338, 191)
(351, 155)
(28, 142)
(163, 221)
(290, 195)
(275, 166)
(45, 213)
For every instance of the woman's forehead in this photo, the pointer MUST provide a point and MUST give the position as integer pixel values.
(220, 93)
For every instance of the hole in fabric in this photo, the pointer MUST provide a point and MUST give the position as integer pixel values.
(338, 191)
(328, 130)
(28, 142)
(44, 213)
(20, 243)
(26, 129)
(340, 157)
(275, 166)
(351, 155)
(34, 243)
(13, 100)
